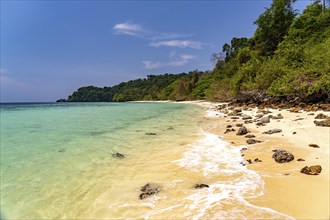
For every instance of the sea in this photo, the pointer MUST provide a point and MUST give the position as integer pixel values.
(58, 162)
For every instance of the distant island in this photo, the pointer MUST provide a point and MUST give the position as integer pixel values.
(288, 56)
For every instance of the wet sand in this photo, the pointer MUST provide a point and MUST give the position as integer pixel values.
(286, 189)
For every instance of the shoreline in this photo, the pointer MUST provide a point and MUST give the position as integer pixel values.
(286, 189)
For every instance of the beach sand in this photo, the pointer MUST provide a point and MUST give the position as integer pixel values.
(286, 189)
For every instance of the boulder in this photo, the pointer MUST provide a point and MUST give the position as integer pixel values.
(264, 120)
(282, 156)
(278, 116)
(312, 170)
(272, 131)
(324, 123)
(242, 131)
(148, 190)
(321, 116)
(201, 185)
(252, 141)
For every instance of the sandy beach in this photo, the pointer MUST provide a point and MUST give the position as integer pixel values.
(287, 190)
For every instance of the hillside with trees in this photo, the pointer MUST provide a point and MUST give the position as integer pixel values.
(288, 56)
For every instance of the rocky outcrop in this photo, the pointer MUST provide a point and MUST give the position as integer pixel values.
(242, 131)
(312, 170)
(272, 131)
(282, 156)
(149, 190)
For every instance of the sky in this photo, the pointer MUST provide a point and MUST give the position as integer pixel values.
(51, 48)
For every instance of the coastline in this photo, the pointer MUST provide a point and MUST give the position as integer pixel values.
(286, 190)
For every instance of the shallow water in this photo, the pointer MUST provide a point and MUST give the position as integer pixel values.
(56, 162)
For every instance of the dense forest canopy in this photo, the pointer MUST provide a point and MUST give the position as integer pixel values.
(288, 55)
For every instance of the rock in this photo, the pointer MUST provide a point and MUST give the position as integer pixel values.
(237, 110)
(248, 121)
(260, 124)
(118, 155)
(259, 115)
(249, 161)
(312, 170)
(264, 120)
(314, 145)
(282, 156)
(298, 119)
(321, 116)
(148, 190)
(324, 123)
(250, 136)
(252, 141)
(234, 117)
(201, 185)
(242, 131)
(311, 114)
(229, 130)
(278, 116)
(239, 125)
(246, 117)
(257, 160)
(300, 159)
(150, 133)
(272, 131)
(244, 148)
(229, 126)
(61, 150)
(294, 132)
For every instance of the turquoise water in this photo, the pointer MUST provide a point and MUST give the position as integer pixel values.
(56, 159)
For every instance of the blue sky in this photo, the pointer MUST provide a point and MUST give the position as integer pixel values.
(51, 48)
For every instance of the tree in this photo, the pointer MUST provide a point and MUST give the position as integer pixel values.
(273, 26)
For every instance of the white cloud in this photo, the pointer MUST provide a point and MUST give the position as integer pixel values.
(178, 43)
(128, 29)
(180, 61)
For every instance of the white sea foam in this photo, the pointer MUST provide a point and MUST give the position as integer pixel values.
(213, 114)
(213, 156)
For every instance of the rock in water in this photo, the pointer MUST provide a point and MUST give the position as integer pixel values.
(148, 190)
(201, 185)
(150, 133)
(273, 131)
(312, 170)
(118, 155)
(242, 131)
(282, 156)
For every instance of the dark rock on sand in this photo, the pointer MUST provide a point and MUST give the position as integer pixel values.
(229, 130)
(148, 190)
(300, 159)
(244, 148)
(250, 136)
(118, 155)
(150, 133)
(272, 131)
(246, 117)
(324, 123)
(234, 117)
(249, 161)
(229, 126)
(282, 156)
(239, 125)
(252, 141)
(321, 116)
(201, 185)
(264, 120)
(312, 170)
(278, 116)
(259, 115)
(257, 160)
(248, 121)
(294, 132)
(242, 131)
(314, 145)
